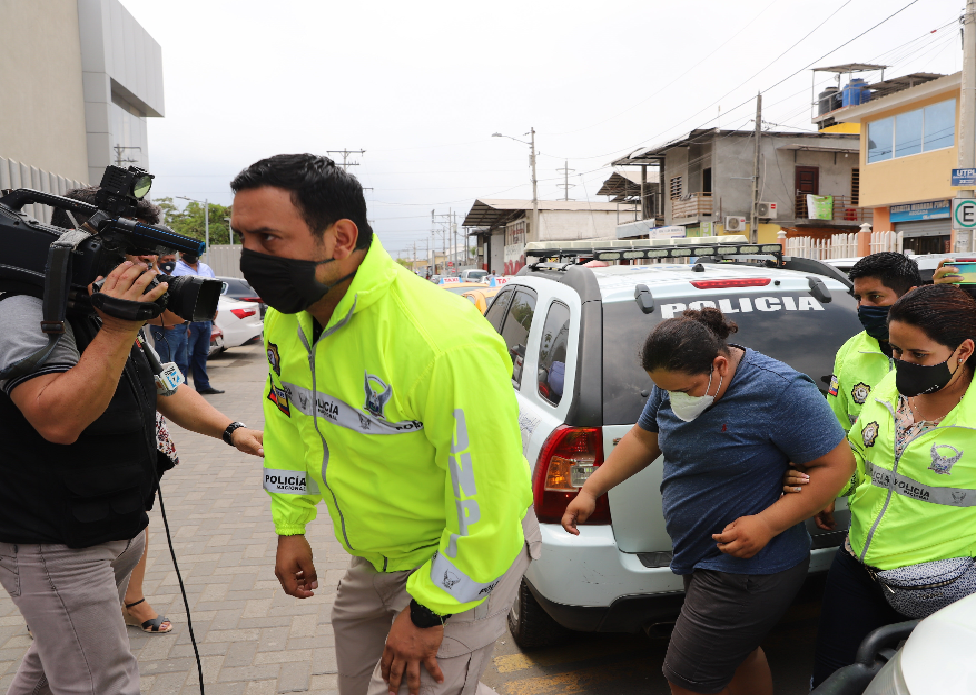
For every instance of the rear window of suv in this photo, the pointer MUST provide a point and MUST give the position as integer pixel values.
(789, 326)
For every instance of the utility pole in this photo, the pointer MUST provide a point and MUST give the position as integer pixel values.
(967, 111)
(118, 154)
(345, 157)
(754, 212)
(566, 185)
(535, 190)
(413, 259)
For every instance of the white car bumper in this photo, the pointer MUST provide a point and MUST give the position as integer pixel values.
(586, 583)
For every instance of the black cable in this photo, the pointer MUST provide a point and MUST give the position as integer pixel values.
(186, 603)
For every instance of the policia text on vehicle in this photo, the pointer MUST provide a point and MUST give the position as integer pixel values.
(390, 400)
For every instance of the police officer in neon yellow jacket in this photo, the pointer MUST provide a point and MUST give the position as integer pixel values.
(864, 360)
(391, 400)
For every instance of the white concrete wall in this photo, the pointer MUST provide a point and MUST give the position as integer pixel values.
(563, 225)
(121, 63)
(42, 109)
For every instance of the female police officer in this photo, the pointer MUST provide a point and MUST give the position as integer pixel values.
(727, 420)
(913, 496)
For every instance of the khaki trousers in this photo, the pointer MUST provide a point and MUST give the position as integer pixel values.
(367, 602)
(70, 599)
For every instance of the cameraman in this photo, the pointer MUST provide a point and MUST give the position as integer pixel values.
(79, 469)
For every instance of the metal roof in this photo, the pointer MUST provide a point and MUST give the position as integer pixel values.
(625, 184)
(654, 155)
(851, 67)
(488, 212)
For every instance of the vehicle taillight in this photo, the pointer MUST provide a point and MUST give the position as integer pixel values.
(568, 457)
(243, 313)
(740, 282)
(256, 300)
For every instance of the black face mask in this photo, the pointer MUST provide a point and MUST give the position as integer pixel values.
(917, 379)
(875, 321)
(190, 259)
(286, 284)
(167, 267)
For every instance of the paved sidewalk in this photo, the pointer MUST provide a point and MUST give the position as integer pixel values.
(253, 639)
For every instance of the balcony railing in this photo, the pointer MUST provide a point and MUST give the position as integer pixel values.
(844, 210)
(692, 205)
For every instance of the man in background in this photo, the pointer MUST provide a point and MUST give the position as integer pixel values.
(198, 333)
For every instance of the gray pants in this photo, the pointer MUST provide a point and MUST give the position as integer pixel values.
(368, 601)
(70, 599)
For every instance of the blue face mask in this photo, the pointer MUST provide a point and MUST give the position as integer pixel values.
(875, 321)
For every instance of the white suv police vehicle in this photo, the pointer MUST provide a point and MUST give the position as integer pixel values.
(574, 333)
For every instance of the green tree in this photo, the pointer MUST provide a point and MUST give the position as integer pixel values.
(190, 220)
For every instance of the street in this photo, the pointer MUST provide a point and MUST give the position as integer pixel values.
(255, 640)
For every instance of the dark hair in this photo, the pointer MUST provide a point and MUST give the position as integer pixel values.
(688, 343)
(945, 313)
(146, 211)
(894, 270)
(322, 192)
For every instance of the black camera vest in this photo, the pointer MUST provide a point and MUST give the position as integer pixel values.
(95, 490)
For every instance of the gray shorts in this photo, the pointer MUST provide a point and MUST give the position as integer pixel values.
(724, 618)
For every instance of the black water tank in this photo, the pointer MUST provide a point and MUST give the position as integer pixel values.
(828, 100)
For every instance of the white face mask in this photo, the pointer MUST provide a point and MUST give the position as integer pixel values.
(687, 407)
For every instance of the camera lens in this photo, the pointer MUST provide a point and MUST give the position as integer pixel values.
(141, 186)
(192, 298)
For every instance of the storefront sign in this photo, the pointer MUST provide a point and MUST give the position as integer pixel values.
(917, 212)
(964, 178)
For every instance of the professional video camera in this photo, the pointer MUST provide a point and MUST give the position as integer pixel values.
(58, 265)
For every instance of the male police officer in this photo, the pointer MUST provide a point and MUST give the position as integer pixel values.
(391, 400)
(864, 360)
(879, 280)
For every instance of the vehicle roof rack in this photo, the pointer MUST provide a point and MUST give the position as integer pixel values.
(703, 248)
(559, 255)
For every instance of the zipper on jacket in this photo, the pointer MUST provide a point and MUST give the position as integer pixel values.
(315, 414)
(894, 471)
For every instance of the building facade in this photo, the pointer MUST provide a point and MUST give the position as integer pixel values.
(706, 182)
(908, 149)
(79, 79)
(504, 227)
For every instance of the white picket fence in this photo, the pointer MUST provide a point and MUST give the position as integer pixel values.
(842, 245)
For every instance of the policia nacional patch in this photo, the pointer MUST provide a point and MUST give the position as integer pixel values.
(869, 433)
(279, 398)
(274, 359)
(860, 393)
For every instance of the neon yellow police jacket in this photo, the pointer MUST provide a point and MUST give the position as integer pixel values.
(919, 506)
(858, 368)
(402, 417)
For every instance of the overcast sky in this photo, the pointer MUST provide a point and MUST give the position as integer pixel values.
(422, 86)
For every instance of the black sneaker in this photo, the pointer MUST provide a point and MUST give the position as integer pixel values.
(209, 391)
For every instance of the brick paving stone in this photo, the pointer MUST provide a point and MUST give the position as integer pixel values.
(253, 639)
(293, 677)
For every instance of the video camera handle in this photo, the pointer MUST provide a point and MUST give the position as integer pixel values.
(20, 197)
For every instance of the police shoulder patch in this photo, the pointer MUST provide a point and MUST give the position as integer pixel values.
(870, 433)
(279, 398)
(860, 393)
(274, 359)
(834, 385)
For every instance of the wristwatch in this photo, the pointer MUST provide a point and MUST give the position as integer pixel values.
(423, 617)
(231, 428)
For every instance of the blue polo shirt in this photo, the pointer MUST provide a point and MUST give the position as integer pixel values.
(730, 460)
